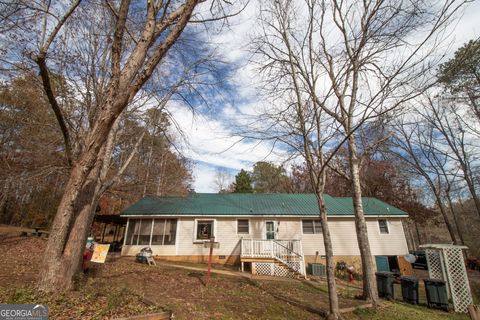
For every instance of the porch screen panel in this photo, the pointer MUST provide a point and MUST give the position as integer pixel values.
(132, 232)
(170, 232)
(158, 231)
(145, 231)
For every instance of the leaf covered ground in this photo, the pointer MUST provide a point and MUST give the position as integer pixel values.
(119, 287)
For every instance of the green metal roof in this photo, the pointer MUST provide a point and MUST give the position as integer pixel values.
(371, 206)
(248, 204)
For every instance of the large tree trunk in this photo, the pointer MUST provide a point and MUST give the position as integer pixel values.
(63, 254)
(327, 242)
(124, 84)
(85, 212)
(85, 208)
(54, 269)
(369, 281)
(55, 276)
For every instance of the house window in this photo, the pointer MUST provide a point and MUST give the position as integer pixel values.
(312, 226)
(383, 226)
(242, 226)
(204, 230)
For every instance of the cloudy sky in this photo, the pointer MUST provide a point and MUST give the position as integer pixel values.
(211, 142)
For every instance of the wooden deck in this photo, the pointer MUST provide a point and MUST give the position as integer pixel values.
(285, 253)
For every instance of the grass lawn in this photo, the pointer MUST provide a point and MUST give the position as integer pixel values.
(118, 288)
(401, 311)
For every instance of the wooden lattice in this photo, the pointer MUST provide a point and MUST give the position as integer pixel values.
(282, 271)
(265, 269)
(295, 265)
(434, 262)
(274, 269)
(457, 279)
(446, 262)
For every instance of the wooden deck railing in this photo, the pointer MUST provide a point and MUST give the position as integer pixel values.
(289, 252)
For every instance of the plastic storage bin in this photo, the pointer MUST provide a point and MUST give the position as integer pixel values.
(385, 284)
(409, 289)
(437, 297)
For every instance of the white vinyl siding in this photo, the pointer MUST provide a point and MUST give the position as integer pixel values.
(391, 244)
(344, 239)
(227, 236)
(289, 229)
(342, 231)
(225, 233)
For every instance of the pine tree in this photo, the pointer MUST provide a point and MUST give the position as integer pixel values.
(243, 182)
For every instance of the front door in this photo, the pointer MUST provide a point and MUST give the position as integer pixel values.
(270, 230)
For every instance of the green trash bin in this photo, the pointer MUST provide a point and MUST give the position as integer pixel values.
(437, 297)
(385, 284)
(409, 289)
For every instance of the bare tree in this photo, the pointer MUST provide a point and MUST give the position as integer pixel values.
(450, 120)
(415, 144)
(357, 61)
(222, 180)
(295, 119)
(116, 67)
(450, 179)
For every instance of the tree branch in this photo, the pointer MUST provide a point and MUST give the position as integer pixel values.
(40, 59)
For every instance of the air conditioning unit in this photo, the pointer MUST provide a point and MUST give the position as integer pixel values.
(318, 269)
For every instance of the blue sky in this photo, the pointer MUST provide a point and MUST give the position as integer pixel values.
(210, 133)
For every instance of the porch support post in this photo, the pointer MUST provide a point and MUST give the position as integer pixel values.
(151, 232)
(103, 232)
(117, 233)
(125, 234)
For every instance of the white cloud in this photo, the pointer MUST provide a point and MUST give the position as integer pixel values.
(468, 26)
(204, 176)
(210, 137)
(211, 143)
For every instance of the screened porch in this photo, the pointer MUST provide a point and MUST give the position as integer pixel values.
(157, 233)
